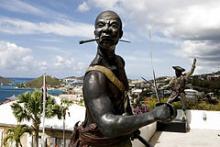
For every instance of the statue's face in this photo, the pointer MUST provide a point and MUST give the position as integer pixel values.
(178, 73)
(108, 30)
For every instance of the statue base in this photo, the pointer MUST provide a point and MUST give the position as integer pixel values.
(179, 124)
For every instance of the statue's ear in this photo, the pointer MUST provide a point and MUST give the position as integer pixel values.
(95, 33)
(121, 34)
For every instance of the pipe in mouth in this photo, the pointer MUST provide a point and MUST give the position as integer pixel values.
(91, 40)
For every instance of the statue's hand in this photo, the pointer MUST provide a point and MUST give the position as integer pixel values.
(194, 61)
(164, 112)
(135, 134)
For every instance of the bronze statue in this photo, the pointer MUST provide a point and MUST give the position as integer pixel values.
(178, 84)
(109, 120)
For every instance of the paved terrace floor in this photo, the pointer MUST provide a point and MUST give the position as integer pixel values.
(193, 138)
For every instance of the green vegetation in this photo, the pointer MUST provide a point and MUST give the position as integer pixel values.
(81, 102)
(37, 83)
(29, 106)
(207, 83)
(15, 134)
(21, 85)
(200, 105)
(4, 80)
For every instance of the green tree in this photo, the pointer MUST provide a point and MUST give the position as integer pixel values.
(29, 106)
(15, 134)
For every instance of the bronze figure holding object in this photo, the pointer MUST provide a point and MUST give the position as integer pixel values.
(109, 120)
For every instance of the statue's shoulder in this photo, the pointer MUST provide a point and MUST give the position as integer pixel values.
(94, 75)
(184, 76)
(120, 60)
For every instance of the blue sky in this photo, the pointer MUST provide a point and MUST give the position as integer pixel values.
(42, 36)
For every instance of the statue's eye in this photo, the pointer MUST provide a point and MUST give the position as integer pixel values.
(100, 24)
(115, 25)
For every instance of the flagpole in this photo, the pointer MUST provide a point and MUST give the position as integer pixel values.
(43, 115)
(154, 76)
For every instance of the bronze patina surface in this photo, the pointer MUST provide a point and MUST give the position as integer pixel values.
(109, 119)
(178, 84)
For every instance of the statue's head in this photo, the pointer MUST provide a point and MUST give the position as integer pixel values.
(108, 29)
(178, 70)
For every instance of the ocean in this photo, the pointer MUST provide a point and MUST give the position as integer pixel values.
(11, 90)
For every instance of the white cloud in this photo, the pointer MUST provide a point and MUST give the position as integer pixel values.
(83, 7)
(104, 4)
(67, 64)
(20, 6)
(61, 62)
(32, 9)
(189, 19)
(42, 65)
(201, 49)
(197, 22)
(207, 53)
(13, 56)
(19, 59)
(193, 25)
(67, 28)
(22, 61)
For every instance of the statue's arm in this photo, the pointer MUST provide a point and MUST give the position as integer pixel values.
(192, 69)
(100, 106)
(169, 85)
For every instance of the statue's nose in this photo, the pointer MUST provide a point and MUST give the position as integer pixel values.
(106, 28)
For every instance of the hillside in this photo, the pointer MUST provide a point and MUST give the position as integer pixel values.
(38, 82)
(4, 80)
(207, 82)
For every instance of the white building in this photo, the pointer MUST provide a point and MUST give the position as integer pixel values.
(53, 126)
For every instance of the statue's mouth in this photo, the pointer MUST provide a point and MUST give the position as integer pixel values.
(106, 38)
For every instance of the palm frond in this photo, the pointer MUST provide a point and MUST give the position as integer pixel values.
(15, 134)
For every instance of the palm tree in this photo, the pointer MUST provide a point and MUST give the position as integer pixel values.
(29, 106)
(15, 134)
(65, 104)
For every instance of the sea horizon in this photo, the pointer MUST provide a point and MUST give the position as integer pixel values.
(7, 91)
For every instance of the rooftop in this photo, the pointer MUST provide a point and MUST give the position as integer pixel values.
(77, 113)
